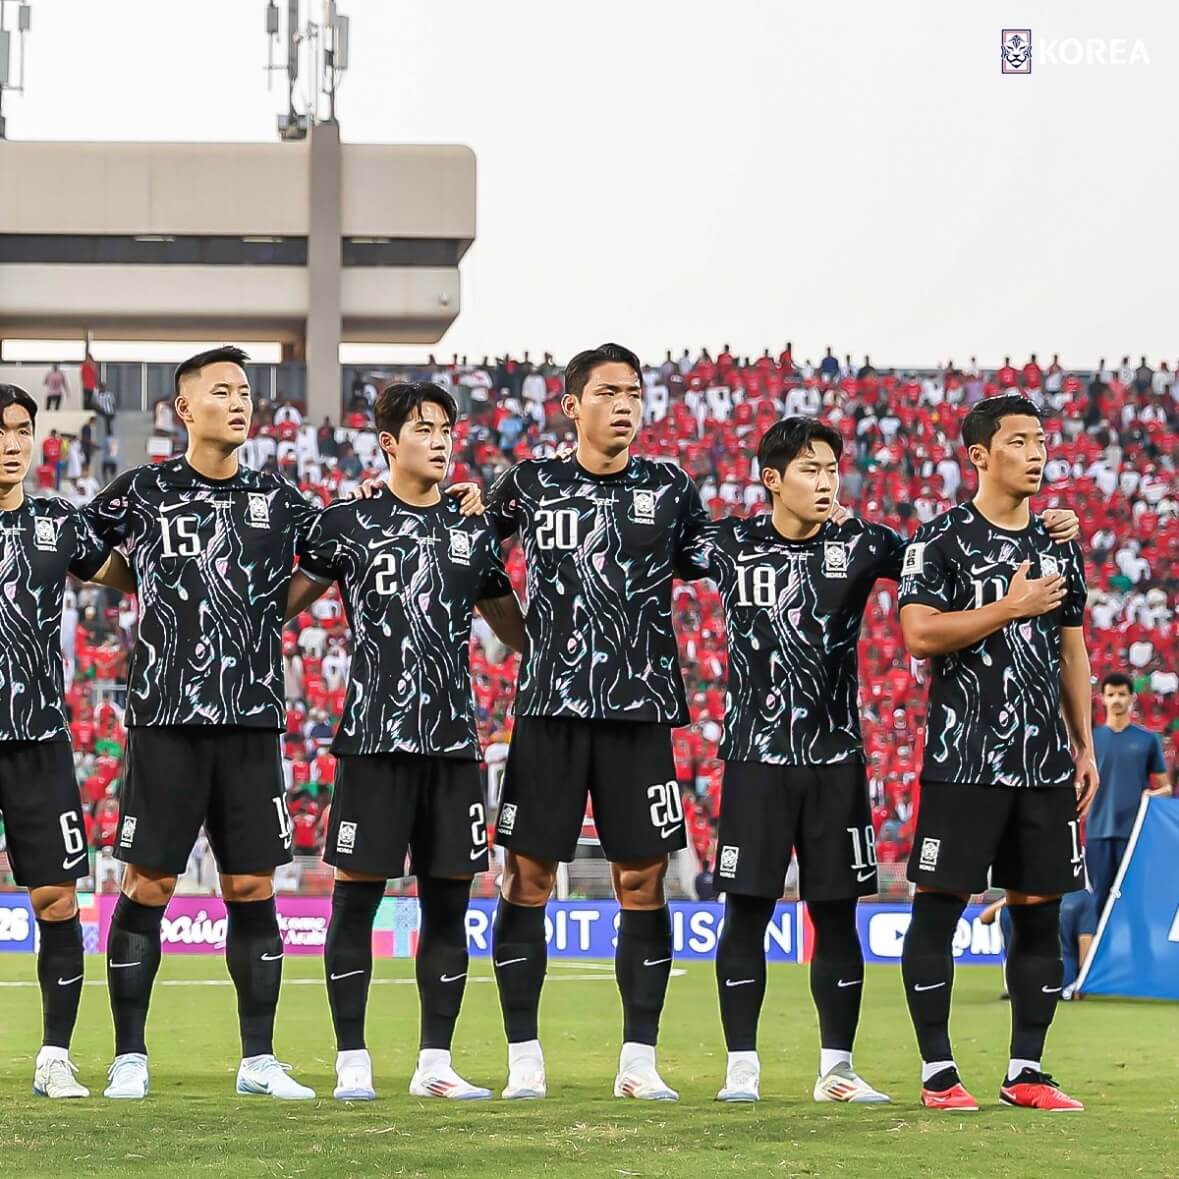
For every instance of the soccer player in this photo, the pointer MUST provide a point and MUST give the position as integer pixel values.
(411, 568)
(212, 545)
(999, 610)
(600, 687)
(41, 541)
(1131, 763)
(795, 585)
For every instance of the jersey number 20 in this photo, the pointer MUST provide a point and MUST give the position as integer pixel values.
(556, 530)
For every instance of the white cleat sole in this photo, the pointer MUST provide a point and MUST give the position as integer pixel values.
(625, 1088)
(738, 1095)
(355, 1094)
(472, 1094)
(39, 1092)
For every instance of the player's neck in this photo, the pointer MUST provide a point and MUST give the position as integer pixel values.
(1002, 508)
(1118, 723)
(12, 497)
(212, 461)
(419, 493)
(598, 462)
(793, 527)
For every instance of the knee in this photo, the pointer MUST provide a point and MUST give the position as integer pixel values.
(835, 925)
(640, 885)
(528, 882)
(55, 902)
(148, 888)
(247, 888)
(1035, 927)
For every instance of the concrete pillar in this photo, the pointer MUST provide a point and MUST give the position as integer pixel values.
(323, 274)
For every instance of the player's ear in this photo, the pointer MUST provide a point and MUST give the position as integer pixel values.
(771, 479)
(978, 455)
(183, 409)
(570, 406)
(387, 443)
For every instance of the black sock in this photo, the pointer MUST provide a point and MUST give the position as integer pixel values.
(642, 966)
(741, 968)
(442, 957)
(348, 957)
(253, 953)
(521, 959)
(1035, 971)
(132, 961)
(927, 968)
(837, 972)
(59, 971)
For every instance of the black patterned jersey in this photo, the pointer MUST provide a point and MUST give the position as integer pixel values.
(793, 610)
(600, 552)
(40, 543)
(213, 561)
(410, 577)
(994, 708)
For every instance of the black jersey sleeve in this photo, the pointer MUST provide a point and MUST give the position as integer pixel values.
(494, 582)
(1072, 612)
(303, 512)
(893, 545)
(503, 507)
(319, 547)
(90, 550)
(109, 512)
(691, 534)
(926, 575)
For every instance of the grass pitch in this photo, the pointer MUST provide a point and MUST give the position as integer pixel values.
(1122, 1059)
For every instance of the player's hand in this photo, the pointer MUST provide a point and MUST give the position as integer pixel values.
(1029, 597)
(368, 489)
(565, 450)
(839, 514)
(470, 498)
(1087, 782)
(1063, 525)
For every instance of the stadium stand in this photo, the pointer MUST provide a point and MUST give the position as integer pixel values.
(1112, 441)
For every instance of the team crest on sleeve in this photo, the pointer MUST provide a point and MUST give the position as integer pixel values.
(727, 865)
(460, 546)
(834, 558)
(258, 510)
(45, 533)
(644, 506)
(914, 559)
(1049, 567)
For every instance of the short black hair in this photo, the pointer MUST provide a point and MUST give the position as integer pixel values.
(785, 440)
(15, 395)
(227, 353)
(982, 422)
(396, 404)
(578, 370)
(1117, 679)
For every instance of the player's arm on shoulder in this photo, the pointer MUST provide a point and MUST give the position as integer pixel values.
(694, 534)
(470, 497)
(302, 591)
(504, 617)
(318, 551)
(1076, 706)
(116, 573)
(893, 547)
(108, 513)
(503, 509)
(1063, 524)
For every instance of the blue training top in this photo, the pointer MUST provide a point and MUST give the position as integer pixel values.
(1125, 762)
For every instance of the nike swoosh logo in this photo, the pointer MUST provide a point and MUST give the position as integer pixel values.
(75, 860)
(666, 831)
(738, 982)
(931, 987)
(862, 876)
(512, 961)
(655, 962)
(476, 854)
(346, 974)
(122, 965)
(545, 503)
(188, 503)
(65, 982)
(271, 957)
(1050, 990)
(451, 977)
(855, 982)
(745, 558)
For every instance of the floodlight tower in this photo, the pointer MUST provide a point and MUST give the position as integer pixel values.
(23, 24)
(324, 46)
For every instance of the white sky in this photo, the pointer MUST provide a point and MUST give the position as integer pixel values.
(674, 173)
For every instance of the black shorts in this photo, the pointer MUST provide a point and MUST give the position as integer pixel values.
(386, 804)
(42, 811)
(625, 767)
(1028, 838)
(227, 778)
(821, 811)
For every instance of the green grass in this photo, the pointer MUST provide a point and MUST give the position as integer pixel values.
(1120, 1058)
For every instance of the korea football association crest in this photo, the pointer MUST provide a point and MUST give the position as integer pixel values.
(1049, 566)
(460, 547)
(727, 863)
(834, 558)
(258, 510)
(644, 507)
(45, 533)
(346, 839)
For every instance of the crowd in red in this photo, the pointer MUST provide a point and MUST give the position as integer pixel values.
(1112, 459)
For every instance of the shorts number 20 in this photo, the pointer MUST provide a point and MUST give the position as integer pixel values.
(666, 807)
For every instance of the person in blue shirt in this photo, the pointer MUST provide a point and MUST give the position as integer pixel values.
(1130, 761)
